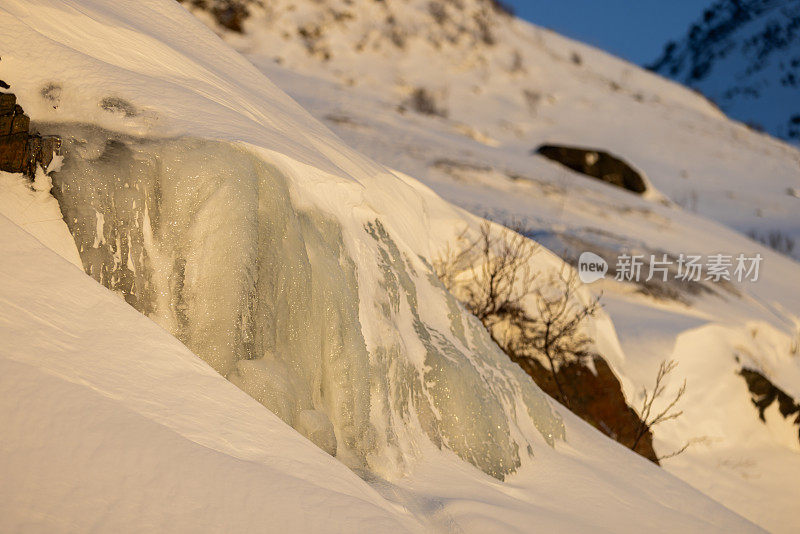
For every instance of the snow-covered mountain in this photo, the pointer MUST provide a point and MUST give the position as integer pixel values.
(299, 269)
(503, 83)
(745, 56)
(463, 114)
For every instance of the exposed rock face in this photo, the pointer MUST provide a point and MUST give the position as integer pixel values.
(21, 151)
(595, 398)
(764, 393)
(597, 164)
(12, 136)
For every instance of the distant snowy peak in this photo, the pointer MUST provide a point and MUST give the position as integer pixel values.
(745, 56)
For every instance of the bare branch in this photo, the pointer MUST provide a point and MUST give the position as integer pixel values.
(492, 274)
(668, 413)
(682, 449)
(501, 279)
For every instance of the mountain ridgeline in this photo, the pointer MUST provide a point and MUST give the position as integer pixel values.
(744, 55)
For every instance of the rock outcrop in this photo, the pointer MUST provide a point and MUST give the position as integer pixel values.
(596, 396)
(229, 14)
(597, 164)
(763, 393)
(20, 150)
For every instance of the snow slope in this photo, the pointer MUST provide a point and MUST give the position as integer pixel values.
(573, 213)
(110, 424)
(530, 87)
(503, 82)
(113, 424)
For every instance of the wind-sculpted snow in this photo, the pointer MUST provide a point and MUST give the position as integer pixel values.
(204, 238)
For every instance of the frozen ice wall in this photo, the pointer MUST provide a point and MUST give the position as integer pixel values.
(203, 237)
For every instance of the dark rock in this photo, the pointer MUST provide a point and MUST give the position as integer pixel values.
(763, 393)
(5, 124)
(7, 103)
(4, 85)
(21, 151)
(596, 398)
(597, 164)
(21, 123)
(40, 151)
(13, 152)
(229, 14)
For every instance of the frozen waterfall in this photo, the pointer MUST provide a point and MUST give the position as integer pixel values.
(365, 359)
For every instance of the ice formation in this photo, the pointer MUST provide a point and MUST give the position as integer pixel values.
(365, 360)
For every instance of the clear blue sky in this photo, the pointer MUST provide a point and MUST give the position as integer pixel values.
(632, 29)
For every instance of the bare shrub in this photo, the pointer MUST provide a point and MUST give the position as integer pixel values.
(650, 418)
(688, 201)
(313, 39)
(423, 102)
(532, 99)
(437, 12)
(397, 36)
(492, 275)
(502, 7)
(485, 33)
(517, 63)
(557, 331)
(489, 274)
